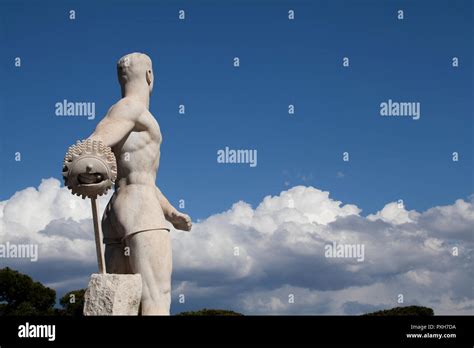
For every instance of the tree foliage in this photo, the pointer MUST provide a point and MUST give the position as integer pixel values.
(73, 303)
(21, 295)
(409, 310)
(211, 312)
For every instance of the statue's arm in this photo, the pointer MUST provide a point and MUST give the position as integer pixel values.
(118, 123)
(120, 120)
(167, 207)
(179, 220)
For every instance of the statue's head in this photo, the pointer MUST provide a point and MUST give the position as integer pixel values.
(135, 69)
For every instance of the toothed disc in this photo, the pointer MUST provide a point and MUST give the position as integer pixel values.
(89, 168)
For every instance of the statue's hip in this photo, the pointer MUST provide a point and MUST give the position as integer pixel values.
(132, 210)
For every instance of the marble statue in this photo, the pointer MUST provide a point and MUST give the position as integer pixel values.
(124, 149)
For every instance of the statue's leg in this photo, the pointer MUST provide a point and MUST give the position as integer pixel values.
(116, 256)
(116, 260)
(150, 255)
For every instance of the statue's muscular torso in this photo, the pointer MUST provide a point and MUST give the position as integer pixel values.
(135, 207)
(138, 154)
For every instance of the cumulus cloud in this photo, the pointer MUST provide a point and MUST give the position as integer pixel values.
(60, 224)
(271, 259)
(394, 213)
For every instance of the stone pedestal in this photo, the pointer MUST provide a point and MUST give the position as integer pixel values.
(113, 294)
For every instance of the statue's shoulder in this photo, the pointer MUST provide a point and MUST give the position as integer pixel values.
(128, 107)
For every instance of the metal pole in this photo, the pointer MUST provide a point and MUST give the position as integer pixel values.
(98, 237)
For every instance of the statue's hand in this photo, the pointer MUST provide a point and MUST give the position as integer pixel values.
(181, 221)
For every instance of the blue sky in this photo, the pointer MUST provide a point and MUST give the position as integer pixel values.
(282, 62)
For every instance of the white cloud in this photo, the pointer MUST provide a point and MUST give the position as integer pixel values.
(395, 214)
(53, 218)
(250, 260)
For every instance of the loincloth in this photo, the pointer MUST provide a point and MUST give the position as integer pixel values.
(108, 240)
(134, 211)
